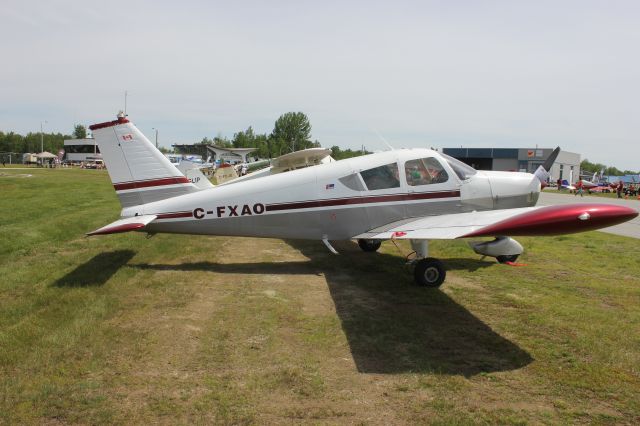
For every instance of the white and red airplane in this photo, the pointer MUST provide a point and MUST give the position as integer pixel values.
(590, 184)
(414, 194)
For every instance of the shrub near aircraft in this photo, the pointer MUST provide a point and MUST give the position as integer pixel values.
(414, 194)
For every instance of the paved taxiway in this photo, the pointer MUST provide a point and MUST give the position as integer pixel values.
(628, 229)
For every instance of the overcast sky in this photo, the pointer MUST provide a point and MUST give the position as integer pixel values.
(425, 73)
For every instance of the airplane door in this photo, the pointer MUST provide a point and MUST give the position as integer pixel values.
(383, 194)
(339, 190)
(430, 187)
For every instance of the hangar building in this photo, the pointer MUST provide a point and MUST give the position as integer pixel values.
(567, 165)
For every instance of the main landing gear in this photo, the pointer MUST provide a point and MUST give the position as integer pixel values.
(427, 271)
(369, 245)
(430, 272)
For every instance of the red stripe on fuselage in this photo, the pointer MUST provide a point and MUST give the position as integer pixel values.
(362, 200)
(149, 183)
(174, 215)
(334, 202)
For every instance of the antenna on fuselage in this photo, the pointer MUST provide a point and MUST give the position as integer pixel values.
(383, 139)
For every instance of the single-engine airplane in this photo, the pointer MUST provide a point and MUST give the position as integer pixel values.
(414, 194)
(590, 184)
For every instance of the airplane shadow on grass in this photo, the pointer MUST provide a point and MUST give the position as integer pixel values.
(391, 325)
(394, 326)
(97, 270)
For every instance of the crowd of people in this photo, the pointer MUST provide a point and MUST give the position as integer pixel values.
(621, 190)
(241, 169)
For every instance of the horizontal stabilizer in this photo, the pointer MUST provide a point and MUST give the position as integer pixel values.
(125, 225)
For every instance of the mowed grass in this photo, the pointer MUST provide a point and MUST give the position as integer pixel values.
(183, 329)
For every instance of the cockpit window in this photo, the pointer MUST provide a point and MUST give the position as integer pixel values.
(464, 171)
(382, 177)
(425, 171)
(353, 182)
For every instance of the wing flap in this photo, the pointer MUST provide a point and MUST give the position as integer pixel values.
(125, 225)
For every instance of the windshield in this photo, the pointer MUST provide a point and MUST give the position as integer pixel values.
(464, 171)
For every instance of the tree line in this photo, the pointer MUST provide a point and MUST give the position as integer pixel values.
(37, 142)
(14, 142)
(587, 166)
(291, 132)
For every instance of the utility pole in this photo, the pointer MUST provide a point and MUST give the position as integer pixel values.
(42, 137)
(153, 128)
(125, 103)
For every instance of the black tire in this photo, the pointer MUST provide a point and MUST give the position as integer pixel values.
(369, 245)
(507, 258)
(429, 272)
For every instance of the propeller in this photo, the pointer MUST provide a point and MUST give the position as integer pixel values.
(542, 173)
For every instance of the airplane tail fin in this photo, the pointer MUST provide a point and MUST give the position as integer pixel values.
(140, 173)
(194, 174)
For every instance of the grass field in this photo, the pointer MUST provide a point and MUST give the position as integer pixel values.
(182, 329)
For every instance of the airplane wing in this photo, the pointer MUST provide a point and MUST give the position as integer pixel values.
(528, 221)
(125, 225)
(304, 158)
(287, 162)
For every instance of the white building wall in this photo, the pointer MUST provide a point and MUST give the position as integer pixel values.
(566, 162)
(89, 143)
(505, 164)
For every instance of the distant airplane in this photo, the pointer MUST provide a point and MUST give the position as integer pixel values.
(413, 194)
(287, 162)
(587, 185)
(193, 172)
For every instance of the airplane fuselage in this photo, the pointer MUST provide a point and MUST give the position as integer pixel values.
(340, 199)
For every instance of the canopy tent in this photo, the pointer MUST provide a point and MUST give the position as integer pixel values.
(47, 159)
(46, 154)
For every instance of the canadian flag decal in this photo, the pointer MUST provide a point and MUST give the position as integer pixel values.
(128, 137)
